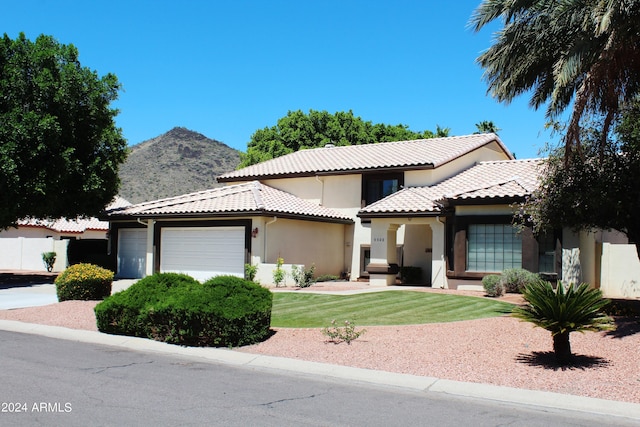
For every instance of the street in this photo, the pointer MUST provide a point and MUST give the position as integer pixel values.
(47, 381)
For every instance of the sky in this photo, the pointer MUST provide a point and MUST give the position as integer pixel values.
(228, 68)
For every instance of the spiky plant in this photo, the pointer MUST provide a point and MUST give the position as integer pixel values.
(562, 311)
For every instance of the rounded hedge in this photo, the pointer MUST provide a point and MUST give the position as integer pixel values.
(84, 282)
(224, 311)
(492, 284)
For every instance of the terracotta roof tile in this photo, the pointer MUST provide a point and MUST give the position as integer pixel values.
(78, 225)
(486, 180)
(400, 154)
(247, 198)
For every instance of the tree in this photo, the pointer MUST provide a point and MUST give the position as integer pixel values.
(597, 188)
(487, 126)
(59, 147)
(297, 131)
(584, 53)
(562, 311)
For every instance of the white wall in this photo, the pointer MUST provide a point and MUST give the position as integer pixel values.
(620, 271)
(22, 253)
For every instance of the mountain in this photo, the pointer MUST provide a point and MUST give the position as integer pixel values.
(177, 162)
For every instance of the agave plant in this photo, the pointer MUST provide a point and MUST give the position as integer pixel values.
(562, 311)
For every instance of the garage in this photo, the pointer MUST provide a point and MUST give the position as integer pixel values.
(132, 253)
(203, 252)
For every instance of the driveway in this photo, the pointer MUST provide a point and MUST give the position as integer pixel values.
(20, 289)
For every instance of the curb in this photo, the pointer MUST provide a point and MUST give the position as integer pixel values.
(503, 394)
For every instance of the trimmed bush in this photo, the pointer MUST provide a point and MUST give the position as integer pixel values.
(493, 285)
(121, 313)
(84, 282)
(514, 280)
(224, 311)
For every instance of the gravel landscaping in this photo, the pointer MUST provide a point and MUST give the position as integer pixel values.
(501, 351)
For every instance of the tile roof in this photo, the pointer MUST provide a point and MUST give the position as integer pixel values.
(344, 159)
(485, 180)
(78, 225)
(251, 198)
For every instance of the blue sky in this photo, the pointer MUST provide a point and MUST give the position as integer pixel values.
(228, 68)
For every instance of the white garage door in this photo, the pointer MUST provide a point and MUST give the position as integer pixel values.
(203, 252)
(132, 253)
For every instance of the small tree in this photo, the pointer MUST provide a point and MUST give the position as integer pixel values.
(279, 274)
(560, 311)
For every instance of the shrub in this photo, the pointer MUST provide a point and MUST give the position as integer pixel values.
(327, 278)
(121, 313)
(411, 274)
(346, 333)
(49, 258)
(279, 274)
(493, 285)
(562, 311)
(250, 272)
(515, 279)
(84, 282)
(224, 311)
(303, 278)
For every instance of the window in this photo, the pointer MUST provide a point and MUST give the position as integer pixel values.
(547, 253)
(379, 186)
(493, 247)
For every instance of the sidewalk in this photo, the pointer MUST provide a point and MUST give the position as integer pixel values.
(43, 294)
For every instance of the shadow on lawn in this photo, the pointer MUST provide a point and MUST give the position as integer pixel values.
(547, 360)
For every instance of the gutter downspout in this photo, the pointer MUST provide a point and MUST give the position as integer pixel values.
(442, 261)
(321, 190)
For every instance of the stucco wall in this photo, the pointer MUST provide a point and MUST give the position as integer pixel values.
(433, 176)
(306, 243)
(620, 271)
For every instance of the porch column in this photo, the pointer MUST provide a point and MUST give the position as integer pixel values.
(384, 261)
(150, 248)
(438, 264)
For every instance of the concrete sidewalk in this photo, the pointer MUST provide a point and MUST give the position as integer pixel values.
(43, 294)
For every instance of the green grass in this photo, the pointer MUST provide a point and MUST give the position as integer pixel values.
(297, 310)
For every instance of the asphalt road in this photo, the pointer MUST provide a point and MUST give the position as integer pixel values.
(51, 382)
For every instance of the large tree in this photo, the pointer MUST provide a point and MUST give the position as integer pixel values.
(597, 188)
(298, 130)
(59, 147)
(583, 54)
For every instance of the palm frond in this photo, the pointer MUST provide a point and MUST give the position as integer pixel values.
(575, 309)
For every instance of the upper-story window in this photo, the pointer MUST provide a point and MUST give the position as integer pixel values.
(379, 186)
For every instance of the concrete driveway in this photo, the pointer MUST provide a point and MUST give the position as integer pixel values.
(33, 289)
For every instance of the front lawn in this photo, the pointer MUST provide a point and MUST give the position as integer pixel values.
(298, 310)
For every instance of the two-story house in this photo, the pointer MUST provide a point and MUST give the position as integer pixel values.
(443, 205)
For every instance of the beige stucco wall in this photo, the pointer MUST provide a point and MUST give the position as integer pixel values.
(304, 243)
(432, 176)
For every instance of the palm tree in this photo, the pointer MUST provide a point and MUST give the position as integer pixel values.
(487, 126)
(560, 311)
(585, 52)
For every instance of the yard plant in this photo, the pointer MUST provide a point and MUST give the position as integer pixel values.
(84, 282)
(225, 311)
(562, 311)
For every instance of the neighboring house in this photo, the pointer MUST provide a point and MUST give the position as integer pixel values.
(21, 247)
(442, 205)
